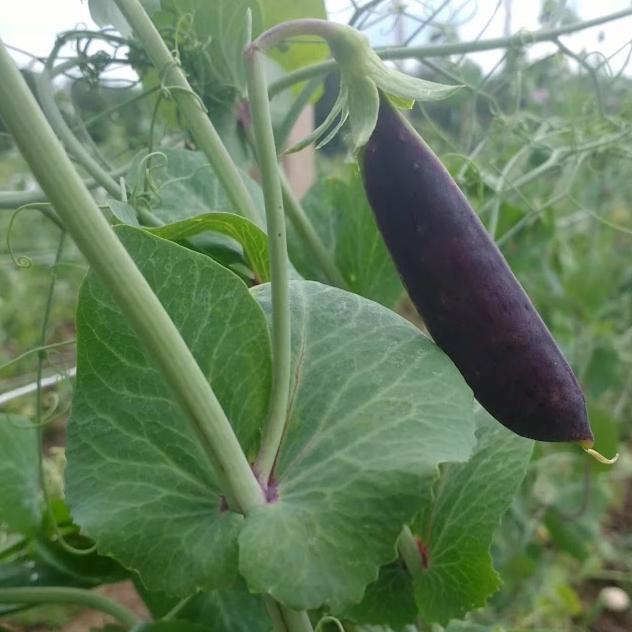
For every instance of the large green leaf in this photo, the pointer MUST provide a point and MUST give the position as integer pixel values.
(229, 252)
(376, 407)
(231, 609)
(253, 240)
(341, 215)
(20, 491)
(186, 186)
(458, 526)
(138, 481)
(388, 601)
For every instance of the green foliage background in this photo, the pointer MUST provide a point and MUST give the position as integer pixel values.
(548, 170)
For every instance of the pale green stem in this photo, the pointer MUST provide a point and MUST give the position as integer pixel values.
(16, 199)
(44, 88)
(283, 618)
(203, 131)
(308, 234)
(43, 347)
(76, 596)
(281, 328)
(118, 272)
(264, 42)
(177, 609)
(521, 38)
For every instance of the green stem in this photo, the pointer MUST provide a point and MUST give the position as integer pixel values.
(281, 329)
(308, 234)
(44, 88)
(203, 131)
(443, 50)
(304, 227)
(118, 272)
(76, 596)
(16, 199)
(45, 347)
(175, 611)
(284, 619)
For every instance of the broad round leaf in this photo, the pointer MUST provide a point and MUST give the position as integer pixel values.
(138, 481)
(376, 407)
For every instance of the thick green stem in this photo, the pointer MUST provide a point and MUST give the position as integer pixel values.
(116, 269)
(76, 596)
(308, 234)
(521, 38)
(284, 619)
(281, 330)
(203, 131)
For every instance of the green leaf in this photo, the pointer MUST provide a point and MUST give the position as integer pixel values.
(223, 250)
(387, 601)
(249, 235)
(233, 609)
(186, 186)
(405, 86)
(123, 212)
(376, 407)
(341, 215)
(364, 104)
(20, 491)
(138, 480)
(457, 529)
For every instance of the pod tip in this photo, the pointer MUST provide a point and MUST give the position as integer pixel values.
(587, 447)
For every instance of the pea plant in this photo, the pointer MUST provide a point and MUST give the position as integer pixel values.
(262, 441)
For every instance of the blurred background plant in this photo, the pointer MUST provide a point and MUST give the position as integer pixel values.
(540, 139)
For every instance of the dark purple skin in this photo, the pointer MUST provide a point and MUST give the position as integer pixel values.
(473, 305)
